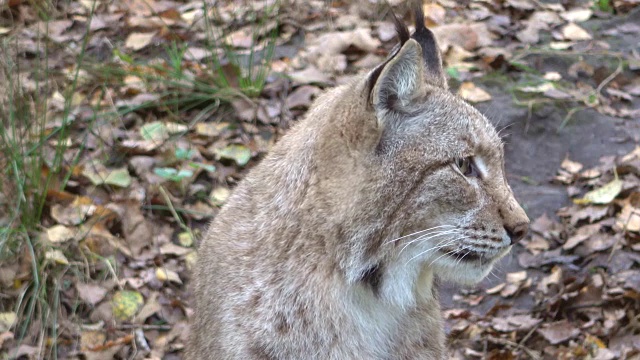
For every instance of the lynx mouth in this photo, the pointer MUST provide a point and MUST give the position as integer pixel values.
(467, 255)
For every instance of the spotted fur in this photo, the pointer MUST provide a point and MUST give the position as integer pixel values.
(329, 248)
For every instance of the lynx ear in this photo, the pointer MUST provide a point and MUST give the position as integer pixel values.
(434, 74)
(401, 79)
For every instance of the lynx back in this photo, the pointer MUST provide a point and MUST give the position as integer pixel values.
(328, 249)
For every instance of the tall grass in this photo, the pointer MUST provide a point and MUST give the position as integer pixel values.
(31, 165)
(32, 148)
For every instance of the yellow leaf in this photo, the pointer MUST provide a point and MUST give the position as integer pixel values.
(470, 92)
(603, 195)
(60, 233)
(57, 257)
(165, 275)
(137, 41)
(125, 304)
(7, 320)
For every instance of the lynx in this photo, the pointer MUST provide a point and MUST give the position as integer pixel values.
(329, 248)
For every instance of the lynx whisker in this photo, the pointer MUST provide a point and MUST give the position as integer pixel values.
(416, 233)
(440, 245)
(463, 256)
(447, 253)
(428, 236)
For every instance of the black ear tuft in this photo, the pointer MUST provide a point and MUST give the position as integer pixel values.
(403, 35)
(430, 49)
(401, 29)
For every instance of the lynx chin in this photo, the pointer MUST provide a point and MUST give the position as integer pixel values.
(328, 249)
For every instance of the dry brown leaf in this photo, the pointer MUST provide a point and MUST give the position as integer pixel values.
(629, 218)
(514, 323)
(574, 32)
(558, 332)
(173, 249)
(577, 15)
(467, 36)
(57, 257)
(60, 233)
(553, 279)
(90, 294)
(7, 321)
(138, 41)
(572, 167)
(582, 234)
(470, 92)
(165, 275)
(434, 14)
(301, 97)
(310, 75)
(242, 38)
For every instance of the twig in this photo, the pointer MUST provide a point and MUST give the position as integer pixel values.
(568, 117)
(610, 77)
(526, 337)
(144, 327)
(173, 211)
(586, 306)
(532, 354)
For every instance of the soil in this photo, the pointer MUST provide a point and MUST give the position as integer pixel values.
(535, 148)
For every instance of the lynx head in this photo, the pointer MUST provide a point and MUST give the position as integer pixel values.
(434, 196)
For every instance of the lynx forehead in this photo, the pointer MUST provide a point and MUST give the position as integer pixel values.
(328, 249)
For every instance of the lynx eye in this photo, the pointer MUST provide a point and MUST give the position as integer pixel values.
(466, 166)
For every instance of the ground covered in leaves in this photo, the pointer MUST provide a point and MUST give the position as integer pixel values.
(155, 110)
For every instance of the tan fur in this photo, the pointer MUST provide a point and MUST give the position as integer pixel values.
(304, 260)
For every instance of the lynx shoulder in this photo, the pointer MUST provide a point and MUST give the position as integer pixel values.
(328, 249)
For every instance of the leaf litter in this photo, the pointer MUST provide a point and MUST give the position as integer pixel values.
(576, 297)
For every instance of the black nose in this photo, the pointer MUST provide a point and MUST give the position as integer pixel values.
(516, 233)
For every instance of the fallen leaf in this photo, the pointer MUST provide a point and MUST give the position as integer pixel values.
(210, 129)
(173, 249)
(74, 213)
(138, 41)
(572, 167)
(541, 88)
(629, 218)
(470, 92)
(554, 279)
(242, 38)
(60, 233)
(154, 131)
(57, 257)
(301, 97)
(98, 174)
(468, 36)
(236, 152)
(516, 277)
(577, 15)
(219, 195)
(582, 234)
(125, 304)
(603, 195)
(90, 294)
(92, 339)
(165, 275)
(552, 76)
(514, 323)
(558, 332)
(7, 320)
(310, 75)
(574, 32)
(151, 307)
(433, 14)
(185, 238)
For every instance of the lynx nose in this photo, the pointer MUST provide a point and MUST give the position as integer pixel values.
(516, 233)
